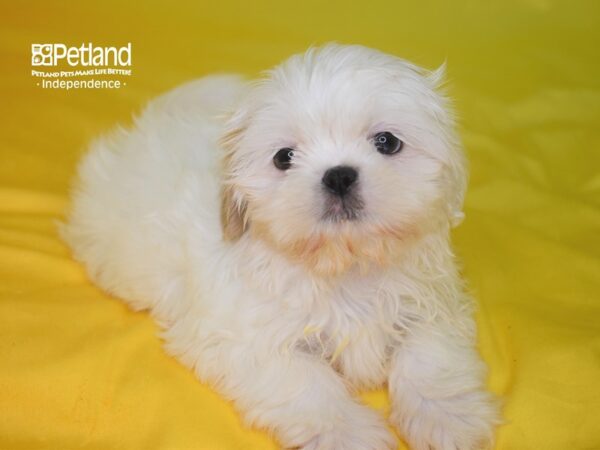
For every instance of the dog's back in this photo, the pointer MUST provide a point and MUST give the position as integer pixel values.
(144, 193)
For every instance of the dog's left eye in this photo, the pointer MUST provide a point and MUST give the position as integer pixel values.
(387, 144)
(283, 158)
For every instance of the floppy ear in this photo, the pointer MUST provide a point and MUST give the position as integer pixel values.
(234, 209)
(457, 163)
(233, 215)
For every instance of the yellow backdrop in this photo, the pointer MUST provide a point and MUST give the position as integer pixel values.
(78, 370)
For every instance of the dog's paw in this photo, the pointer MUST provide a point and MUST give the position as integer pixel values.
(359, 429)
(465, 422)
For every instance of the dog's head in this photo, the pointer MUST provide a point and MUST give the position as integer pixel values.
(342, 156)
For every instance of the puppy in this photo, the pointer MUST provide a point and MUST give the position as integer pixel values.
(291, 237)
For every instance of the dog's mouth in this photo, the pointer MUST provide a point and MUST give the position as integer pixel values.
(345, 208)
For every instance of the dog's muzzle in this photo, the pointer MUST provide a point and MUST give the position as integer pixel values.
(342, 199)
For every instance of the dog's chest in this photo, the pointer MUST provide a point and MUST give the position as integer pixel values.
(347, 322)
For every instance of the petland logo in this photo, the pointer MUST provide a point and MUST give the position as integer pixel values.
(86, 55)
(85, 60)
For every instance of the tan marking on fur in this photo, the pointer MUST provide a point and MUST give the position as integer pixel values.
(332, 255)
(349, 246)
(229, 139)
(234, 215)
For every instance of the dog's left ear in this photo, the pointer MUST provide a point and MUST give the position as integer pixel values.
(457, 165)
(234, 209)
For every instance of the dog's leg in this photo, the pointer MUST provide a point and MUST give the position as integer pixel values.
(437, 393)
(307, 405)
(295, 395)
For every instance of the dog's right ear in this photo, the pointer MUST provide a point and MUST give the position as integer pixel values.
(234, 209)
(234, 220)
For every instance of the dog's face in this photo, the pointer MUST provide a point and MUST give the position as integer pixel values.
(342, 155)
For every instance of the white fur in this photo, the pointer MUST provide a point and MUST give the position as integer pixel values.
(290, 317)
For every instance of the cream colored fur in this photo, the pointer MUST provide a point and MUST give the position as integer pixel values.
(283, 312)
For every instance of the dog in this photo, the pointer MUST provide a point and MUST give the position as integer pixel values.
(291, 236)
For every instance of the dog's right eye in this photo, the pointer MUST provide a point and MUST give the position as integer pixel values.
(283, 158)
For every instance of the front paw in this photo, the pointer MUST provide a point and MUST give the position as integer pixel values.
(463, 422)
(358, 428)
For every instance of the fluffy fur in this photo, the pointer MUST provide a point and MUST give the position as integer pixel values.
(282, 311)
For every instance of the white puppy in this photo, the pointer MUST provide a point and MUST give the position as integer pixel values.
(298, 248)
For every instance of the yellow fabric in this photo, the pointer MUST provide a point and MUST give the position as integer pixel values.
(79, 370)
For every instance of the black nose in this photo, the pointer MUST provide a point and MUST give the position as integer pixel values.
(339, 179)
